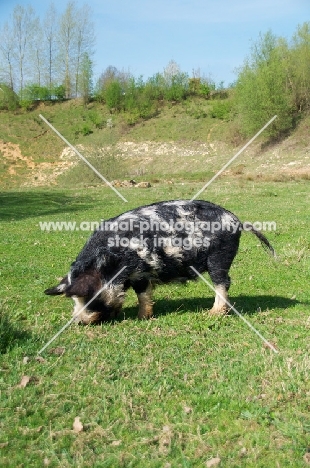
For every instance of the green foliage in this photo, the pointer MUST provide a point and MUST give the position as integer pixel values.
(86, 130)
(26, 104)
(221, 109)
(95, 118)
(298, 58)
(59, 92)
(199, 87)
(8, 99)
(178, 89)
(275, 80)
(113, 95)
(155, 87)
(85, 83)
(35, 92)
(139, 99)
(83, 129)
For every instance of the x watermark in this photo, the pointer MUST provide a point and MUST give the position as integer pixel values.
(83, 158)
(235, 311)
(75, 316)
(233, 158)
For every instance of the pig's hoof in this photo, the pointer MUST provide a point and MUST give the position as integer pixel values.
(219, 312)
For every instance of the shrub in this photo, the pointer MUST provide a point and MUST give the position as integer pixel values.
(95, 118)
(59, 92)
(261, 89)
(178, 89)
(8, 99)
(26, 104)
(113, 94)
(221, 109)
(35, 92)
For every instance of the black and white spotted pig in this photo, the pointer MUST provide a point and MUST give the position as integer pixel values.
(157, 243)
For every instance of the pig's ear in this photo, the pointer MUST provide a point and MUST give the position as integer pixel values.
(59, 288)
(86, 284)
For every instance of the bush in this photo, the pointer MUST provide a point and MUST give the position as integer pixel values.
(113, 94)
(197, 87)
(34, 92)
(178, 89)
(262, 89)
(95, 118)
(8, 99)
(58, 92)
(221, 109)
(26, 104)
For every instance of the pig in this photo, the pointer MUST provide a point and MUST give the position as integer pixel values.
(153, 244)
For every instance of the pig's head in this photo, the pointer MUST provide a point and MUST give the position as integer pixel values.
(95, 299)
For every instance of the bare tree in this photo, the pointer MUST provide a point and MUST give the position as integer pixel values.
(7, 54)
(50, 32)
(171, 71)
(37, 59)
(84, 41)
(67, 38)
(46, 53)
(23, 27)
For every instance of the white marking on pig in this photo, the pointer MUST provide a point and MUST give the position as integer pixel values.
(79, 303)
(127, 215)
(229, 223)
(113, 295)
(173, 251)
(220, 305)
(153, 260)
(150, 258)
(182, 214)
(149, 212)
(176, 203)
(143, 252)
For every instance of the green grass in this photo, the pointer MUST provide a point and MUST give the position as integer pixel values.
(184, 126)
(177, 390)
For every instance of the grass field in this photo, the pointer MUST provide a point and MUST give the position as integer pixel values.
(181, 390)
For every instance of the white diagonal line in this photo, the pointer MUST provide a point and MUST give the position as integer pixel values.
(83, 308)
(83, 158)
(233, 158)
(236, 311)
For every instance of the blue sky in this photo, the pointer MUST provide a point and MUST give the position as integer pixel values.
(142, 36)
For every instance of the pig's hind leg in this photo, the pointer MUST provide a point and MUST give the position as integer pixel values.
(219, 263)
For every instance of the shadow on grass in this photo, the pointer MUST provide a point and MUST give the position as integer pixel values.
(10, 335)
(244, 304)
(20, 205)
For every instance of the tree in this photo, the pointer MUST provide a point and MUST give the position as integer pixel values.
(84, 42)
(36, 58)
(177, 82)
(261, 89)
(85, 78)
(76, 37)
(299, 67)
(23, 27)
(50, 33)
(7, 53)
(66, 37)
(171, 71)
